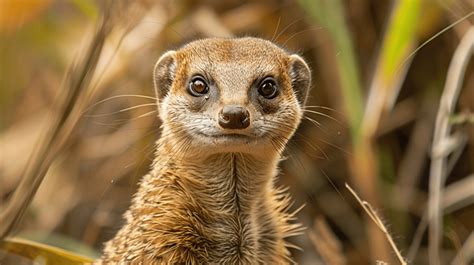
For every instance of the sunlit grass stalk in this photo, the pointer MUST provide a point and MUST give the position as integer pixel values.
(77, 78)
(398, 41)
(330, 14)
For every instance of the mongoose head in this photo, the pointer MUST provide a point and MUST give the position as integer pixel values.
(231, 95)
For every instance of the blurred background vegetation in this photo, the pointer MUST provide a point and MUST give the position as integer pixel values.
(77, 107)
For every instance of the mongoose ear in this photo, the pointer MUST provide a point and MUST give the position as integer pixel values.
(164, 74)
(300, 78)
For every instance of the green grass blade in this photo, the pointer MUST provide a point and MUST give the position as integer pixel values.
(330, 14)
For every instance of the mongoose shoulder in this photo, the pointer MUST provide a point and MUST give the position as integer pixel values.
(228, 108)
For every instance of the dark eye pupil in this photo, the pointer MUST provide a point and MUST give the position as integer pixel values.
(268, 90)
(199, 86)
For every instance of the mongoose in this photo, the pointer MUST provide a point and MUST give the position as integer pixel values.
(228, 108)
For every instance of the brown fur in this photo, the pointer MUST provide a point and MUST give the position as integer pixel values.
(212, 200)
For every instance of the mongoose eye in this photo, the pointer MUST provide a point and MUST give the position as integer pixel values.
(198, 87)
(268, 88)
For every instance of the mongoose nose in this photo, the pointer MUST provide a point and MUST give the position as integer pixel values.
(234, 117)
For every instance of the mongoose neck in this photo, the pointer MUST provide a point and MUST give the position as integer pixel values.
(237, 179)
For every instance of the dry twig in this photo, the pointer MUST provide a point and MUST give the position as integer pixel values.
(443, 141)
(376, 219)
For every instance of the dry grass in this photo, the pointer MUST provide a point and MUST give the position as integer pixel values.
(377, 221)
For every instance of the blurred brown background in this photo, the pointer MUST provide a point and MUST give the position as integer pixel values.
(90, 182)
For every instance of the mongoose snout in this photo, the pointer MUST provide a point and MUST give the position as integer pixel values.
(234, 117)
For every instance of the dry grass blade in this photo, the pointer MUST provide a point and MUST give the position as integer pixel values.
(66, 114)
(459, 194)
(417, 237)
(456, 196)
(326, 243)
(466, 253)
(438, 168)
(376, 219)
(77, 77)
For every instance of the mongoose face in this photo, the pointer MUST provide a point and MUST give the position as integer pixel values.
(234, 95)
